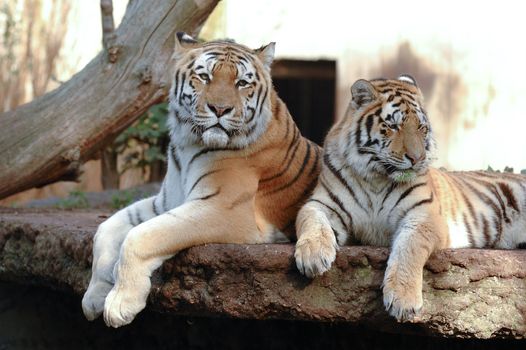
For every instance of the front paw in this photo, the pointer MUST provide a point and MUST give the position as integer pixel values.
(402, 301)
(315, 253)
(93, 300)
(122, 305)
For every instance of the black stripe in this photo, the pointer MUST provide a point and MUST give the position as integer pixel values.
(190, 64)
(295, 143)
(253, 114)
(483, 197)
(414, 206)
(521, 245)
(358, 132)
(154, 207)
(163, 193)
(389, 191)
(485, 231)
(259, 96)
(298, 174)
(339, 203)
(338, 175)
(501, 202)
(201, 178)
(331, 209)
(406, 193)
(263, 101)
(138, 216)
(498, 229)
(208, 150)
(182, 86)
(130, 217)
(508, 193)
(470, 208)
(470, 232)
(315, 164)
(369, 125)
(175, 157)
(176, 83)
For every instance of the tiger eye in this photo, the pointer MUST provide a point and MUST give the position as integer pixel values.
(242, 83)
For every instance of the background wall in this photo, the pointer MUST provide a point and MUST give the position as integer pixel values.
(469, 59)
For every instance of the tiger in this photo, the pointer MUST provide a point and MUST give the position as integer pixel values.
(377, 187)
(238, 172)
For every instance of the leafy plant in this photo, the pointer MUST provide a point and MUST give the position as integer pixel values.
(507, 169)
(76, 200)
(143, 143)
(122, 199)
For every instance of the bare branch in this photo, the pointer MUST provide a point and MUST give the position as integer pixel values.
(108, 30)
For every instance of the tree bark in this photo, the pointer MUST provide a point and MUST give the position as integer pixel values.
(468, 293)
(49, 138)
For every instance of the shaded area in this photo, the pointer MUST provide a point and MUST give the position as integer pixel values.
(36, 317)
(308, 89)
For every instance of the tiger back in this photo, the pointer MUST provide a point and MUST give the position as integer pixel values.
(377, 187)
(238, 172)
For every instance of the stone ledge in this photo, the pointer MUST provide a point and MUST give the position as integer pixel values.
(467, 293)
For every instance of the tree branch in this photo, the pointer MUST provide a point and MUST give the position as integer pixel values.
(108, 30)
(49, 138)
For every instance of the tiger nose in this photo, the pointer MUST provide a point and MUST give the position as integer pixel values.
(220, 111)
(415, 158)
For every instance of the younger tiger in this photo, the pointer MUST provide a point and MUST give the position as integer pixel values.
(238, 171)
(376, 187)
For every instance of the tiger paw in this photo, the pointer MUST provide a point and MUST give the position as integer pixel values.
(402, 302)
(315, 254)
(93, 300)
(122, 306)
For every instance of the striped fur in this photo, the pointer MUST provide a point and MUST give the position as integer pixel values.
(238, 171)
(376, 187)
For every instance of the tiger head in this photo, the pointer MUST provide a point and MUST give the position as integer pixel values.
(221, 91)
(386, 131)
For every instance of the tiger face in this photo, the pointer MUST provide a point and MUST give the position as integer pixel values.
(220, 96)
(389, 132)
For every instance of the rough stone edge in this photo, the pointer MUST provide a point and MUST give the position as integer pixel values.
(467, 293)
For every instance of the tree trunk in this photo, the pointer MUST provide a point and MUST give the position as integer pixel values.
(49, 138)
(110, 176)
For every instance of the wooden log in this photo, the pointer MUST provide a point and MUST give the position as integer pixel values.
(48, 139)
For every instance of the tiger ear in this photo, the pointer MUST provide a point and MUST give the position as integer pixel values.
(183, 42)
(266, 54)
(407, 79)
(363, 93)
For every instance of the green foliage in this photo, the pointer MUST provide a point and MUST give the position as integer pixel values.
(122, 199)
(76, 200)
(149, 132)
(507, 169)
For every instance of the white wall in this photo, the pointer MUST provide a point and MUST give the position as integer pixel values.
(473, 52)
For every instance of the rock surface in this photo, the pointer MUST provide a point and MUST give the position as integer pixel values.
(467, 293)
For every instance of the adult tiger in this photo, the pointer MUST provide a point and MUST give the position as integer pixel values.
(238, 171)
(376, 187)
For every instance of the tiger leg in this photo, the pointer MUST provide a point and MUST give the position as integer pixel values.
(316, 246)
(402, 285)
(149, 244)
(106, 245)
